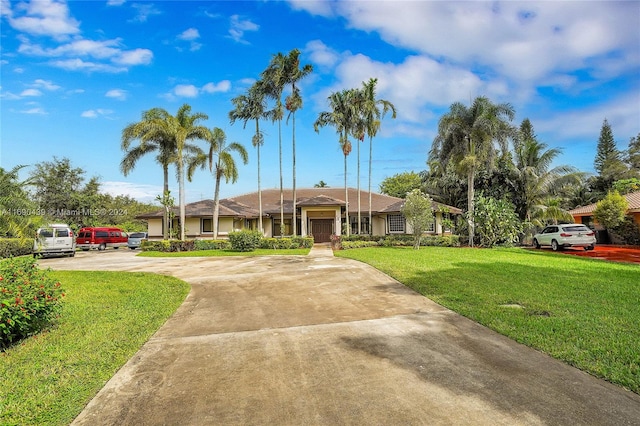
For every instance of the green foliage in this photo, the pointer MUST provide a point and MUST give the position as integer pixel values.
(245, 240)
(626, 186)
(418, 211)
(17, 210)
(12, 247)
(29, 299)
(162, 245)
(286, 243)
(396, 240)
(629, 231)
(212, 245)
(496, 222)
(399, 185)
(611, 210)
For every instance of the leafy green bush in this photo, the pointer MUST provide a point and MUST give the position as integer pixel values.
(162, 245)
(346, 245)
(628, 231)
(397, 240)
(212, 245)
(29, 299)
(302, 242)
(11, 247)
(245, 240)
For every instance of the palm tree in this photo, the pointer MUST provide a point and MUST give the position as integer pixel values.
(151, 140)
(252, 106)
(372, 116)
(178, 130)
(14, 199)
(274, 79)
(342, 117)
(293, 102)
(221, 164)
(468, 136)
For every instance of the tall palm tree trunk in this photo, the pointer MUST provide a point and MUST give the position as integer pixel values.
(359, 216)
(260, 227)
(165, 214)
(216, 205)
(471, 205)
(370, 160)
(281, 188)
(346, 196)
(182, 203)
(295, 219)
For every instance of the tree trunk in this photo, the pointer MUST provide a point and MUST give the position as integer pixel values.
(260, 227)
(216, 205)
(281, 190)
(295, 221)
(471, 205)
(165, 215)
(370, 160)
(181, 190)
(346, 197)
(358, 185)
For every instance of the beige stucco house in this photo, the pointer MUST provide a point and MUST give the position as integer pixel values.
(319, 212)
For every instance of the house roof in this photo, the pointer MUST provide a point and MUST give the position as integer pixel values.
(246, 205)
(633, 198)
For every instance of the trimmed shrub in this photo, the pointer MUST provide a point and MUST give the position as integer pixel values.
(302, 242)
(12, 247)
(245, 240)
(396, 240)
(162, 245)
(29, 299)
(212, 245)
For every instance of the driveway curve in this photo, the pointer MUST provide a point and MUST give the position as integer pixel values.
(323, 340)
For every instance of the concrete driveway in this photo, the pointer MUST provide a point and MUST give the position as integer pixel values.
(322, 340)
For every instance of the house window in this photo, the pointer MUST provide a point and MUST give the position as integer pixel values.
(288, 228)
(364, 224)
(207, 225)
(431, 227)
(396, 223)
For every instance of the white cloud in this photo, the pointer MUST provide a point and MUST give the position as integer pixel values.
(115, 2)
(186, 90)
(222, 86)
(95, 113)
(525, 42)
(189, 34)
(144, 11)
(31, 93)
(45, 84)
(80, 65)
(42, 18)
(134, 57)
(141, 192)
(34, 111)
(239, 26)
(118, 94)
(321, 54)
(315, 7)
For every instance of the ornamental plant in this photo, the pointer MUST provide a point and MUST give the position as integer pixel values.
(30, 299)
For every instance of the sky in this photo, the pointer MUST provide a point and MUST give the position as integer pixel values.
(75, 74)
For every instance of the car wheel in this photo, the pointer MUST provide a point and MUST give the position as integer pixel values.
(132, 248)
(102, 246)
(72, 254)
(591, 247)
(554, 245)
(536, 244)
(85, 249)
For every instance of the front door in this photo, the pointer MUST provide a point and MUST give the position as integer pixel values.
(321, 229)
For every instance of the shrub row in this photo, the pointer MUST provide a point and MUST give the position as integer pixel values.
(29, 299)
(401, 240)
(239, 241)
(12, 247)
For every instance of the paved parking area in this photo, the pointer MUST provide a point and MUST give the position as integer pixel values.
(323, 340)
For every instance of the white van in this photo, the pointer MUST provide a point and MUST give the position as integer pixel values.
(54, 239)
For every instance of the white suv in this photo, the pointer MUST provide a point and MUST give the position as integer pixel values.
(567, 235)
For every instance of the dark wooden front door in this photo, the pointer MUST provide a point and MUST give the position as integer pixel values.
(321, 229)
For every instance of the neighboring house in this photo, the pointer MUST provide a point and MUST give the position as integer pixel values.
(585, 214)
(320, 212)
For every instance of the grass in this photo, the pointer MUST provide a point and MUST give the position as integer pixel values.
(107, 317)
(582, 311)
(206, 253)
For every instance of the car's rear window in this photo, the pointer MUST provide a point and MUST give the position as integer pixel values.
(137, 235)
(576, 228)
(46, 233)
(62, 232)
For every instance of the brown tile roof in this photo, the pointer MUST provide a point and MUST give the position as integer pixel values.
(246, 205)
(633, 199)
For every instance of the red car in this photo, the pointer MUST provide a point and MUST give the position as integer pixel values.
(101, 238)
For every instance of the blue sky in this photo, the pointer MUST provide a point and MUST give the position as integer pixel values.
(74, 74)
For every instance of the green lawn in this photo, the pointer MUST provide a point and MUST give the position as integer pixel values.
(583, 311)
(205, 253)
(107, 317)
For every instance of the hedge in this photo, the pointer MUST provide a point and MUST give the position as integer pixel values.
(400, 240)
(12, 247)
(239, 238)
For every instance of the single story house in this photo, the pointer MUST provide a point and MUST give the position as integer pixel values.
(320, 212)
(585, 214)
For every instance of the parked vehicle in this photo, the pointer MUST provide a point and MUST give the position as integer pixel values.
(567, 235)
(54, 239)
(135, 239)
(101, 238)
